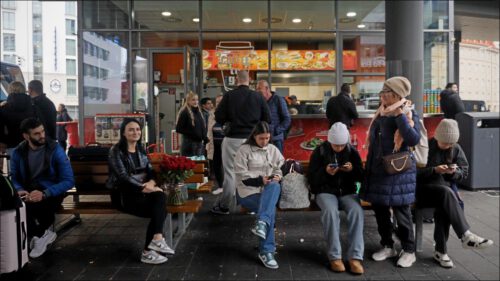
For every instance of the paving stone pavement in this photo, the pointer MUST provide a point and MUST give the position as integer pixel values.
(107, 247)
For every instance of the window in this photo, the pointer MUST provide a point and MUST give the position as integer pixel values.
(71, 87)
(9, 20)
(9, 58)
(71, 8)
(70, 27)
(70, 47)
(9, 4)
(9, 42)
(70, 67)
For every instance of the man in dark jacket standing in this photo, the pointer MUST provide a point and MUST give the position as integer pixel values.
(451, 103)
(46, 108)
(280, 118)
(342, 108)
(239, 111)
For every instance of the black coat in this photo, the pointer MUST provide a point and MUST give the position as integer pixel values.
(47, 114)
(17, 108)
(342, 183)
(341, 109)
(184, 126)
(451, 104)
(62, 134)
(243, 108)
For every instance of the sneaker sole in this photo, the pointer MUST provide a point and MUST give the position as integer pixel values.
(392, 256)
(441, 264)
(154, 262)
(406, 266)
(479, 247)
(258, 234)
(266, 265)
(54, 237)
(160, 250)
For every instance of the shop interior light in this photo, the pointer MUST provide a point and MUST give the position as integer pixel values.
(196, 19)
(296, 20)
(166, 14)
(247, 20)
(351, 14)
(361, 26)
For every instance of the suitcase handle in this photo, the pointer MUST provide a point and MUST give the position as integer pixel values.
(25, 236)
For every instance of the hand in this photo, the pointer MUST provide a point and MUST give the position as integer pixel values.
(398, 111)
(276, 177)
(149, 186)
(23, 194)
(35, 196)
(441, 169)
(331, 171)
(451, 171)
(266, 180)
(347, 167)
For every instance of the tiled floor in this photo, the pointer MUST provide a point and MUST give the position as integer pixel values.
(222, 248)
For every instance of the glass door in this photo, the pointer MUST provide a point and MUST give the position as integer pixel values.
(190, 69)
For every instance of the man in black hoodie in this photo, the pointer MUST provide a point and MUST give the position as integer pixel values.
(239, 111)
(342, 108)
(451, 103)
(46, 109)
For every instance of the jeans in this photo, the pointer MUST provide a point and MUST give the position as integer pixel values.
(191, 147)
(330, 205)
(41, 215)
(229, 148)
(405, 226)
(279, 145)
(264, 205)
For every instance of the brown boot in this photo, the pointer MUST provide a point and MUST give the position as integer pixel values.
(337, 265)
(356, 267)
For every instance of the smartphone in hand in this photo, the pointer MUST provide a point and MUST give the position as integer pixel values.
(333, 165)
(452, 166)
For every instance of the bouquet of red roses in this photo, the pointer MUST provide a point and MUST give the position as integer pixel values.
(175, 169)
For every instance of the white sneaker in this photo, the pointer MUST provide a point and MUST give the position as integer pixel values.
(406, 259)
(384, 253)
(32, 242)
(40, 244)
(161, 247)
(217, 191)
(152, 257)
(473, 241)
(443, 260)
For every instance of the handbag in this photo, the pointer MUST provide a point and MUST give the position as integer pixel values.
(397, 162)
(294, 191)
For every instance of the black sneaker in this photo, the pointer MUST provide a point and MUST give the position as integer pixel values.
(220, 210)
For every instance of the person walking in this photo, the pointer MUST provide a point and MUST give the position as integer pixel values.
(334, 168)
(62, 134)
(134, 190)
(191, 124)
(395, 127)
(46, 109)
(450, 102)
(214, 148)
(446, 166)
(257, 167)
(239, 111)
(280, 117)
(342, 108)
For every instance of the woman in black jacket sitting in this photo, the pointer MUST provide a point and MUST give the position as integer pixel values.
(135, 191)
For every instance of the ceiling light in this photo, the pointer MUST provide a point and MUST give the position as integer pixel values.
(361, 26)
(196, 19)
(247, 20)
(297, 20)
(351, 14)
(166, 14)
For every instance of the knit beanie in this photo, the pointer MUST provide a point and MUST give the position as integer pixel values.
(447, 131)
(399, 85)
(338, 134)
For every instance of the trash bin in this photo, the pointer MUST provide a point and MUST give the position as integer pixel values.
(72, 129)
(479, 138)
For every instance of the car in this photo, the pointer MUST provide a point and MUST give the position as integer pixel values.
(9, 73)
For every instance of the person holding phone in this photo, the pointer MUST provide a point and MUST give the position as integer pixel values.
(446, 165)
(258, 174)
(334, 168)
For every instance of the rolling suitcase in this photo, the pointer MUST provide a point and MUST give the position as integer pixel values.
(13, 239)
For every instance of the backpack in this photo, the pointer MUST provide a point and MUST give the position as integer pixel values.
(421, 150)
(280, 113)
(9, 199)
(294, 191)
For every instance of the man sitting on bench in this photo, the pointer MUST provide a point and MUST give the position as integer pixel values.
(41, 173)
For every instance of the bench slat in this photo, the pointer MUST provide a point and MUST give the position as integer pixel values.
(105, 207)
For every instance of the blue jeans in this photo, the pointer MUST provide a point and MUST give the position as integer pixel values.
(330, 219)
(279, 145)
(264, 205)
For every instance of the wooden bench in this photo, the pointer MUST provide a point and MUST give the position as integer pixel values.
(90, 180)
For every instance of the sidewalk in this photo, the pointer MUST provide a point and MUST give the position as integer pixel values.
(222, 248)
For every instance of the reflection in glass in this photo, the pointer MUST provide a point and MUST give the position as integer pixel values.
(309, 15)
(361, 15)
(436, 14)
(164, 39)
(368, 50)
(140, 80)
(231, 14)
(105, 14)
(162, 15)
(435, 60)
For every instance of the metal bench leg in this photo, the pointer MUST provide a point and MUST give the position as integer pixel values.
(167, 230)
(419, 219)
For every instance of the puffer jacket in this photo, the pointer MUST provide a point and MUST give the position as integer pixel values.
(342, 183)
(122, 168)
(437, 156)
(17, 108)
(280, 118)
(382, 188)
(252, 163)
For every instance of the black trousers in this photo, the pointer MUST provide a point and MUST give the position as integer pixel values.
(404, 230)
(41, 215)
(447, 212)
(217, 166)
(147, 205)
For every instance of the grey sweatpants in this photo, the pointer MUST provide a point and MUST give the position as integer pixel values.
(229, 148)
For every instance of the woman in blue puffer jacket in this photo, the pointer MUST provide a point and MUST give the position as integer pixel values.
(394, 128)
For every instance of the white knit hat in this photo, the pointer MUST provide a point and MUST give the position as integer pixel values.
(447, 131)
(338, 134)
